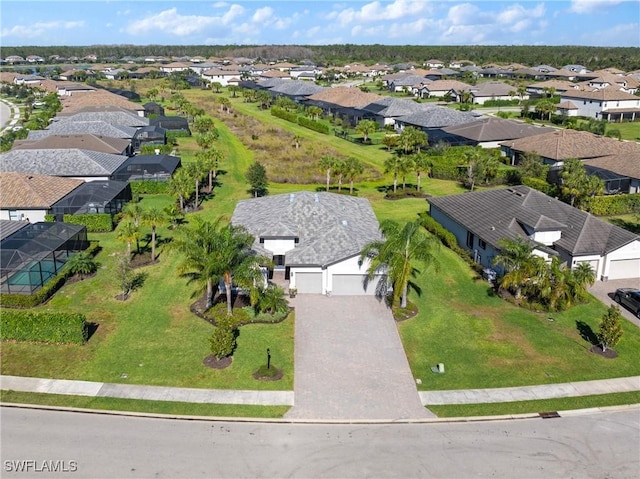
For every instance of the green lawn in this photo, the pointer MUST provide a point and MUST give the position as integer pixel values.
(154, 339)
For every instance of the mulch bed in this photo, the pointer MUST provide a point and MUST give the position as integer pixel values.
(76, 277)
(609, 353)
(212, 362)
(276, 377)
(198, 308)
(140, 260)
(407, 313)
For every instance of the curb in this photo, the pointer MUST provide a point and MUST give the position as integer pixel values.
(470, 419)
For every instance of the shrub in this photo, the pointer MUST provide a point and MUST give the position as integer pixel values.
(284, 114)
(43, 326)
(614, 204)
(95, 223)
(148, 187)
(172, 135)
(314, 125)
(223, 342)
(540, 185)
(49, 218)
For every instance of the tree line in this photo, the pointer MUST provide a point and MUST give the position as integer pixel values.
(594, 58)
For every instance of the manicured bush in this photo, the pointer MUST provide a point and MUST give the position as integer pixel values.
(313, 125)
(172, 135)
(43, 326)
(95, 223)
(147, 187)
(614, 204)
(49, 218)
(284, 114)
(223, 342)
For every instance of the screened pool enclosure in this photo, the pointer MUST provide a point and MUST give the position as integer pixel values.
(36, 253)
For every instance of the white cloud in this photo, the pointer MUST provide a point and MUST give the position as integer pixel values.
(171, 22)
(517, 13)
(613, 36)
(39, 28)
(464, 14)
(591, 6)
(262, 15)
(377, 11)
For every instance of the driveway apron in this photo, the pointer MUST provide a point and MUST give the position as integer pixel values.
(350, 362)
(604, 291)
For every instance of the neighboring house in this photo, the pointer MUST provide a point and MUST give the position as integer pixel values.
(440, 88)
(433, 63)
(97, 128)
(557, 87)
(153, 109)
(560, 145)
(387, 109)
(113, 115)
(224, 77)
(98, 101)
(65, 89)
(578, 69)
(27, 196)
(315, 239)
(343, 102)
(487, 132)
(103, 144)
(72, 163)
(620, 172)
(406, 82)
(29, 80)
(175, 67)
(485, 91)
(608, 104)
(297, 90)
(147, 167)
(435, 118)
(479, 220)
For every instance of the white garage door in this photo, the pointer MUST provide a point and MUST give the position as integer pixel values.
(353, 284)
(624, 268)
(309, 282)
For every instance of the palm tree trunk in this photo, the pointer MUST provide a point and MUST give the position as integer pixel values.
(419, 181)
(227, 287)
(328, 178)
(351, 187)
(197, 188)
(209, 301)
(129, 249)
(395, 182)
(153, 243)
(181, 203)
(210, 180)
(403, 298)
(339, 182)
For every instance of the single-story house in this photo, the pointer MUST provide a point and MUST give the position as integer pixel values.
(29, 197)
(493, 90)
(439, 88)
(433, 118)
(71, 163)
(386, 110)
(343, 102)
(33, 253)
(147, 167)
(620, 172)
(113, 115)
(315, 239)
(487, 132)
(479, 220)
(102, 144)
(98, 128)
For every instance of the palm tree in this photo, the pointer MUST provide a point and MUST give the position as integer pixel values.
(327, 163)
(133, 211)
(392, 165)
(128, 232)
(516, 256)
(366, 127)
(233, 89)
(269, 300)
(421, 164)
(180, 185)
(196, 170)
(405, 166)
(81, 264)
(353, 168)
(396, 254)
(154, 217)
(210, 159)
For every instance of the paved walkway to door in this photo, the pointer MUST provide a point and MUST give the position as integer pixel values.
(350, 363)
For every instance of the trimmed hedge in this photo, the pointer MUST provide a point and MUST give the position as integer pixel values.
(149, 187)
(49, 218)
(43, 326)
(95, 223)
(313, 125)
(284, 114)
(541, 185)
(44, 293)
(614, 204)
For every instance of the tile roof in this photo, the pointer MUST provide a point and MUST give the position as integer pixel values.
(491, 88)
(345, 97)
(495, 129)
(8, 227)
(20, 190)
(102, 144)
(563, 144)
(622, 164)
(502, 213)
(330, 227)
(446, 85)
(71, 162)
(98, 97)
(604, 94)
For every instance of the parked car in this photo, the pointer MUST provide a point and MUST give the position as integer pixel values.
(630, 298)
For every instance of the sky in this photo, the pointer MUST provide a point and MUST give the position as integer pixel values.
(320, 22)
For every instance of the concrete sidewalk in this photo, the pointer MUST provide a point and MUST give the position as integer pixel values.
(286, 398)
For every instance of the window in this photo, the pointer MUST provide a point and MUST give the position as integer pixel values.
(470, 239)
(262, 240)
(482, 244)
(14, 216)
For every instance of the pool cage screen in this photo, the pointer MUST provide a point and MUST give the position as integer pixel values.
(35, 254)
(94, 197)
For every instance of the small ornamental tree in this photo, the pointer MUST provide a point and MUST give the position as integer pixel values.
(223, 342)
(610, 330)
(257, 178)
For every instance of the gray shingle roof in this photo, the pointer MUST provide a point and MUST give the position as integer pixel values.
(503, 213)
(330, 227)
(495, 129)
(390, 107)
(98, 128)
(70, 162)
(296, 88)
(438, 117)
(122, 117)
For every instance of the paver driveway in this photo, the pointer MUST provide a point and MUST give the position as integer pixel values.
(349, 362)
(604, 290)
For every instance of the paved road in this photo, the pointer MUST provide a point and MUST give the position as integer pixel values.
(350, 363)
(603, 445)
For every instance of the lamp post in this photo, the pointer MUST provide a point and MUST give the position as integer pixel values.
(268, 359)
